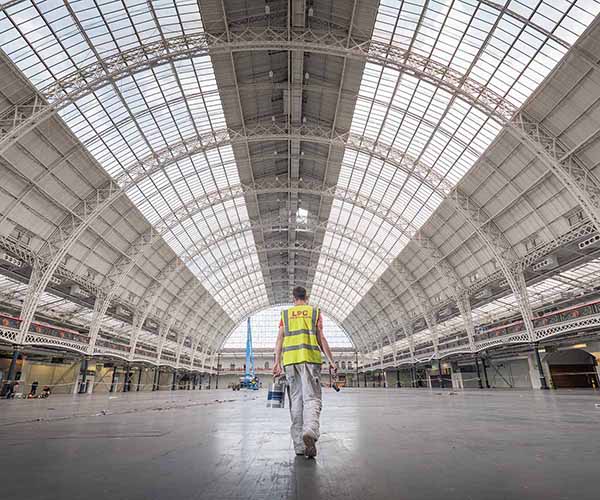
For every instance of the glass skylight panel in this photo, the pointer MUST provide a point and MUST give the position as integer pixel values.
(443, 133)
(128, 121)
(265, 325)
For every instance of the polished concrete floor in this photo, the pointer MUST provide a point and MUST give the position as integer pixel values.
(375, 444)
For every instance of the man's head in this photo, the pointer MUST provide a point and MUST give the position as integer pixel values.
(299, 294)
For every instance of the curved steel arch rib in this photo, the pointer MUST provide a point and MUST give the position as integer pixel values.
(389, 157)
(324, 251)
(331, 313)
(258, 309)
(580, 182)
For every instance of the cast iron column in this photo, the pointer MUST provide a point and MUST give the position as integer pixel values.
(217, 376)
(485, 375)
(11, 372)
(440, 373)
(398, 378)
(154, 381)
(126, 386)
(114, 377)
(357, 375)
(478, 372)
(538, 359)
(173, 382)
(83, 370)
(139, 380)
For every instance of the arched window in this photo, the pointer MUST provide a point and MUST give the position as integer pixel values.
(264, 330)
(232, 366)
(343, 365)
(266, 365)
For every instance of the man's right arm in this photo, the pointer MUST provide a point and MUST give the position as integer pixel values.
(277, 369)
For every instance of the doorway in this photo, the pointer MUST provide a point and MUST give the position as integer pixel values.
(573, 368)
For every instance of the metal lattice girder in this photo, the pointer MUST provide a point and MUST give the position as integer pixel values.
(302, 282)
(365, 145)
(322, 251)
(376, 149)
(381, 151)
(316, 134)
(275, 13)
(583, 185)
(273, 131)
(169, 320)
(137, 59)
(166, 51)
(498, 248)
(133, 255)
(115, 278)
(206, 318)
(78, 84)
(299, 248)
(209, 323)
(89, 210)
(421, 67)
(448, 274)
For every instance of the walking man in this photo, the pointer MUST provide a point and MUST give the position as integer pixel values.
(298, 348)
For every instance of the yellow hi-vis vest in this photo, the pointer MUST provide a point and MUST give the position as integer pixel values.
(300, 343)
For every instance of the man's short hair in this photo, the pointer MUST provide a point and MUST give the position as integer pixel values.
(299, 293)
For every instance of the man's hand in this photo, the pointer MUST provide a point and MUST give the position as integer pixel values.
(333, 367)
(277, 370)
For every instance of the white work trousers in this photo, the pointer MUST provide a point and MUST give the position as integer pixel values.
(305, 400)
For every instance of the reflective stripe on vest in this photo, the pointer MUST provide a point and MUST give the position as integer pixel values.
(300, 344)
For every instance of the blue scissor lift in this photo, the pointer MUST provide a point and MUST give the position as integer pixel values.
(249, 380)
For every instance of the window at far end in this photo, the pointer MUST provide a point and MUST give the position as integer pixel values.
(576, 217)
(302, 216)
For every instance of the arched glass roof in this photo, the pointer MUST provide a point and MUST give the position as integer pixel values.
(131, 113)
(265, 325)
(430, 124)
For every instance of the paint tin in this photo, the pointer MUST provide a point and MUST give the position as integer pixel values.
(276, 394)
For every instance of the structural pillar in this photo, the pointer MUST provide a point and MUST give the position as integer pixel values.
(154, 379)
(356, 364)
(83, 381)
(485, 374)
(8, 384)
(218, 369)
(127, 383)
(114, 378)
(538, 359)
(174, 381)
(478, 372)
(413, 375)
(441, 377)
(139, 382)
(398, 384)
